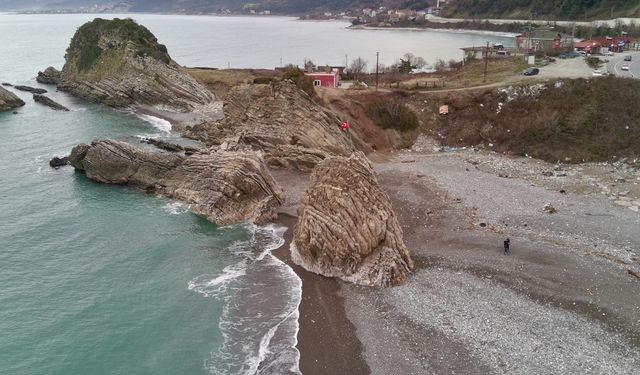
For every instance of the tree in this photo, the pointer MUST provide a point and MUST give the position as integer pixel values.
(357, 67)
(416, 62)
(440, 65)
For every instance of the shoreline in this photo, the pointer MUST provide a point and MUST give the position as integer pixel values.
(505, 34)
(327, 339)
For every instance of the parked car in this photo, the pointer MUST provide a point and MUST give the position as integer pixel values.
(597, 73)
(531, 71)
(608, 53)
(625, 67)
(627, 58)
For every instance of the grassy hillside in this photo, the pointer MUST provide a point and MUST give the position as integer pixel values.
(554, 9)
(583, 120)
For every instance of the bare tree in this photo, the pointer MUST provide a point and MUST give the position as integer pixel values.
(440, 65)
(415, 62)
(357, 67)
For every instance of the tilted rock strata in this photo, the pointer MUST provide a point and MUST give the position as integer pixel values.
(120, 63)
(9, 100)
(279, 119)
(347, 228)
(223, 187)
(42, 99)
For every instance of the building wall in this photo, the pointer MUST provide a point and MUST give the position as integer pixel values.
(325, 80)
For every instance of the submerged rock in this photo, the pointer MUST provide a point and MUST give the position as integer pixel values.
(30, 89)
(120, 63)
(279, 119)
(57, 162)
(223, 187)
(347, 228)
(9, 100)
(50, 75)
(49, 102)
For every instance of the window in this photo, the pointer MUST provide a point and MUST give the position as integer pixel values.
(317, 82)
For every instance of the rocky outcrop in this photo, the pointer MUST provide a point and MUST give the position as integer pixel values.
(57, 162)
(9, 100)
(347, 228)
(223, 187)
(49, 102)
(50, 76)
(279, 119)
(30, 89)
(120, 63)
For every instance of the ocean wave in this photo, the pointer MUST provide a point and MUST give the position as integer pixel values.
(157, 122)
(261, 296)
(175, 208)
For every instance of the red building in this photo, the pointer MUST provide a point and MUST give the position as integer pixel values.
(322, 79)
(616, 43)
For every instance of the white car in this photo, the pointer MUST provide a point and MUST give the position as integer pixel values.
(625, 67)
(597, 73)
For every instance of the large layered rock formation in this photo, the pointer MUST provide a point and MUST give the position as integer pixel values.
(223, 187)
(347, 228)
(50, 76)
(9, 100)
(279, 119)
(120, 63)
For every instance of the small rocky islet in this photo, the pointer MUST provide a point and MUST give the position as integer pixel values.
(277, 125)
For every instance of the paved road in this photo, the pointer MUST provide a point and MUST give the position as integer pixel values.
(615, 65)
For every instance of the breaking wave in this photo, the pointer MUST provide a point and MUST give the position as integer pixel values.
(261, 296)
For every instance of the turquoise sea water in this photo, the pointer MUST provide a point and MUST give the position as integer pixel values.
(99, 279)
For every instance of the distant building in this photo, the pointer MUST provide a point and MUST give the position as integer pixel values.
(543, 40)
(325, 79)
(614, 44)
(589, 46)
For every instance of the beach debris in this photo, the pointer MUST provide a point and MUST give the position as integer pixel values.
(444, 109)
(549, 208)
(634, 273)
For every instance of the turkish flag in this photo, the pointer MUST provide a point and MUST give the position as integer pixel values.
(344, 126)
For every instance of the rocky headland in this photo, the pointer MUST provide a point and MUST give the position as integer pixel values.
(9, 100)
(347, 228)
(223, 187)
(279, 119)
(120, 63)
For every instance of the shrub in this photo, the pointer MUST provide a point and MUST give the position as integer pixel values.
(390, 115)
(303, 82)
(262, 80)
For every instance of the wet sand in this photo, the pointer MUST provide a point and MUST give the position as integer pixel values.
(326, 340)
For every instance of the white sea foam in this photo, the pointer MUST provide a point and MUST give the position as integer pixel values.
(175, 208)
(261, 296)
(158, 123)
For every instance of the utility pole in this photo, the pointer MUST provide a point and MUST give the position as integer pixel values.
(281, 62)
(346, 61)
(486, 62)
(377, 60)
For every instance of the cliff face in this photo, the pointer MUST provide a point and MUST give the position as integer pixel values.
(9, 100)
(223, 187)
(280, 120)
(347, 228)
(120, 63)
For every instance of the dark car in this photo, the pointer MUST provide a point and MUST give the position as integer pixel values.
(531, 71)
(627, 58)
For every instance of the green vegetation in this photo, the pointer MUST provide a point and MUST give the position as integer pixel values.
(391, 115)
(583, 120)
(554, 9)
(303, 82)
(117, 34)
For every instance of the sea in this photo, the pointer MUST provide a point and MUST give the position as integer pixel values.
(102, 279)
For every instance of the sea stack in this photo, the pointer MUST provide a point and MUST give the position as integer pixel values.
(120, 63)
(9, 100)
(347, 227)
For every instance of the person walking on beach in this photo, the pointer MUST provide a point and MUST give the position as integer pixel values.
(506, 246)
